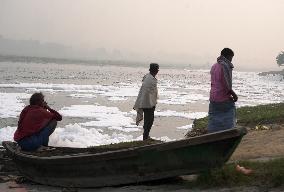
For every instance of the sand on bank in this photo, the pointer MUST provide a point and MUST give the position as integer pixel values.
(261, 144)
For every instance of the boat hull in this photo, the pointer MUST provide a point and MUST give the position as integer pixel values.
(132, 165)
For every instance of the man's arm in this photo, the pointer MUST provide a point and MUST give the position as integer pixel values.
(231, 91)
(57, 116)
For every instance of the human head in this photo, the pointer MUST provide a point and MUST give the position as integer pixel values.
(227, 53)
(154, 68)
(37, 99)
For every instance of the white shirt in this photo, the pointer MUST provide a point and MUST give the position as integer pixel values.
(148, 94)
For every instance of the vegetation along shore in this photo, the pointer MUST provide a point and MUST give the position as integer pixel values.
(262, 150)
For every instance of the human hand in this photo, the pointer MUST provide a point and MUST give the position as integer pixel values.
(235, 97)
(45, 105)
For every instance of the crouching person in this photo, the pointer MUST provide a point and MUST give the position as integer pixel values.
(36, 123)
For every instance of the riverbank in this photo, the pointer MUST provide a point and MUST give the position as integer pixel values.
(272, 73)
(265, 125)
(262, 150)
(267, 175)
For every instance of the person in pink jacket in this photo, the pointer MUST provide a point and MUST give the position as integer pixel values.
(222, 110)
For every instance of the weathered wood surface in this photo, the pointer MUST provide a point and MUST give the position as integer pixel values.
(128, 165)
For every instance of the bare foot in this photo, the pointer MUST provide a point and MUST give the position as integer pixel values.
(243, 170)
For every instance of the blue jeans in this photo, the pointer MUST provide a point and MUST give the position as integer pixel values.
(222, 116)
(36, 140)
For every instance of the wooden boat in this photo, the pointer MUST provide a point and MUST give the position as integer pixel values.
(79, 167)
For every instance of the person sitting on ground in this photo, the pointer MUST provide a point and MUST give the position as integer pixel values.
(36, 123)
(147, 100)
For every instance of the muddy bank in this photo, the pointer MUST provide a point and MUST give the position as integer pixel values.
(258, 144)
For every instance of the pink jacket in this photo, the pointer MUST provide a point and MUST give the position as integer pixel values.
(219, 90)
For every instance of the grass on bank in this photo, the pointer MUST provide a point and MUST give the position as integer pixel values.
(248, 116)
(267, 174)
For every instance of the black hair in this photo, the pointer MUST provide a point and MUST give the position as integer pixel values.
(154, 67)
(36, 98)
(227, 52)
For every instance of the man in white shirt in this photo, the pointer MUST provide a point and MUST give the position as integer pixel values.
(147, 100)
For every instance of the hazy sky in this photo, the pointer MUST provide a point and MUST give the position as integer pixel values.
(185, 31)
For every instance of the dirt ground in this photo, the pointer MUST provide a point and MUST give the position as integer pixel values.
(261, 144)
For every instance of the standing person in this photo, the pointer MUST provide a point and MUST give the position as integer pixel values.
(36, 123)
(222, 110)
(147, 100)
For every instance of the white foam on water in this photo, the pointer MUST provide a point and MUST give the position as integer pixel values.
(74, 135)
(51, 86)
(252, 88)
(113, 93)
(11, 104)
(7, 133)
(117, 98)
(163, 138)
(120, 126)
(197, 115)
(91, 111)
(170, 113)
(181, 98)
(128, 91)
(187, 127)
(124, 129)
(103, 116)
(82, 95)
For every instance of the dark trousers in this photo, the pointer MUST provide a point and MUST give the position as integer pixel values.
(34, 141)
(148, 121)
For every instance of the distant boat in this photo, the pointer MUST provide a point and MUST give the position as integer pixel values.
(86, 167)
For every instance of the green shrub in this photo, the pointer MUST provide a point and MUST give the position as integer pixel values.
(247, 116)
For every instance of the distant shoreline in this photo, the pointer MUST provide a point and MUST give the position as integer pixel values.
(97, 62)
(111, 62)
(272, 73)
(43, 60)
